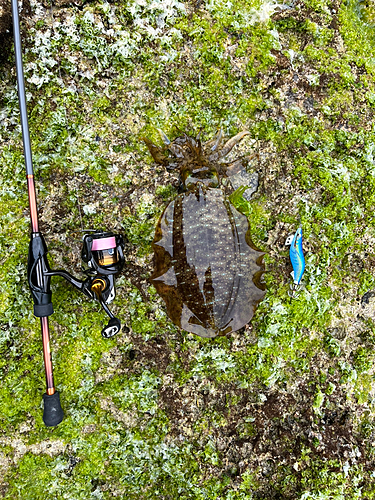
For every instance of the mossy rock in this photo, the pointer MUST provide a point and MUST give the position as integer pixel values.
(282, 409)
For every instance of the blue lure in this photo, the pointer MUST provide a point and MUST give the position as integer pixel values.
(297, 258)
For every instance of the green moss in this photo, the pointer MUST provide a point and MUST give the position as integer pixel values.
(99, 79)
(167, 193)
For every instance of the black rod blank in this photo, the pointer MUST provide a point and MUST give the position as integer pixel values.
(21, 89)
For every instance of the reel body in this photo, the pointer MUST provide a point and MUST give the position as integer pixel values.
(103, 253)
(103, 257)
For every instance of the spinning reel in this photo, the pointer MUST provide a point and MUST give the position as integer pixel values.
(103, 256)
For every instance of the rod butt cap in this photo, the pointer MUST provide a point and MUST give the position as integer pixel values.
(52, 414)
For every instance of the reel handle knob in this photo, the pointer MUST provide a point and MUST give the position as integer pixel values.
(112, 329)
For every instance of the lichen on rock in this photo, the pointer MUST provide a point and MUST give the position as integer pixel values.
(285, 407)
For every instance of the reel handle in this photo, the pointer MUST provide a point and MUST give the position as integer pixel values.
(99, 286)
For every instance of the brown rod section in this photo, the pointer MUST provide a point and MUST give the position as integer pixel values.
(32, 202)
(47, 356)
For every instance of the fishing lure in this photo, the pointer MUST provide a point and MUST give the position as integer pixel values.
(207, 270)
(297, 259)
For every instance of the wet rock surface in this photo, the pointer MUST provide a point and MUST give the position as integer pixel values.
(282, 409)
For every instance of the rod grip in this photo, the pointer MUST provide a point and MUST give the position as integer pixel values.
(53, 413)
(43, 310)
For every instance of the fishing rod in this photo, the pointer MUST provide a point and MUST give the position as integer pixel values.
(102, 254)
